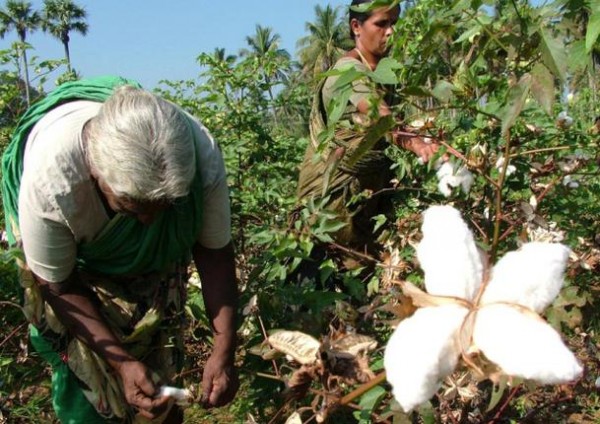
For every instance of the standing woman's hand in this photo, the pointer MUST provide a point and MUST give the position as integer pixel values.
(140, 390)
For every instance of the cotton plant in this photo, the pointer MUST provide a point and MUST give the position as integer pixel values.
(471, 311)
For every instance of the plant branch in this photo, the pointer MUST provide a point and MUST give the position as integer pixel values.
(361, 390)
(498, 205)
(12, 333)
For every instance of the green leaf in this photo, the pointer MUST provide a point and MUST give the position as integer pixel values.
(427, 413)
(542, 87)
(472, 32)
(443, 91)
(384, 74)
(374, 134)
(337, 106)
(346, 77)
(368, 402)
(554, 54)
(578, 58)
(593, 31)
(516, 99)
(498, 392)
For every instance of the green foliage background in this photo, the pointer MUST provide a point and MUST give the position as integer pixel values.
(494, 75)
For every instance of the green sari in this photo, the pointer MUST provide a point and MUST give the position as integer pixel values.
(349, 168)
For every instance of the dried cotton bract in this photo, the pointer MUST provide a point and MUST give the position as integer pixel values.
(426, 347)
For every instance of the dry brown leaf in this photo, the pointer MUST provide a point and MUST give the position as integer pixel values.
(301, 347)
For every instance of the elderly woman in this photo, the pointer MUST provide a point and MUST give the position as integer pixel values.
(110, 190)
(337, 169)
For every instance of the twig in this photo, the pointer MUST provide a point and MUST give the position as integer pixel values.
(500, 411)
(278, 413)
(359, 391)
(534, 151)
(353, 252)
(266, 337)
(8, 303)
(188, 372)
(269, 376)
(545, 405)
(498, 205)
(12, 333)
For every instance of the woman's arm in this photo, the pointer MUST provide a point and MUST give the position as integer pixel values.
(216, 268)
(415, 144)
(74, 308)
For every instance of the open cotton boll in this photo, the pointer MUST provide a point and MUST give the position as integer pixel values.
(523, 345)
(421, 352)
(449, 178)
(448, 254)
(531, 276)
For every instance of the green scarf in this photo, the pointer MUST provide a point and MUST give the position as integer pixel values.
(124, 246)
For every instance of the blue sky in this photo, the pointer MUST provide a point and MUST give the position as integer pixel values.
(150, 40)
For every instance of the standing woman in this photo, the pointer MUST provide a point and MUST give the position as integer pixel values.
(331, 170)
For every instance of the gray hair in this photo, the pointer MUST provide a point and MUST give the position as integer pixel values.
(142, 146)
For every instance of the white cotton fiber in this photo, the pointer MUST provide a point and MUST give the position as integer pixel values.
(524, 345)
(531, 276)
(448, 254)
(181, 396)
(421, 352)
(449, 178)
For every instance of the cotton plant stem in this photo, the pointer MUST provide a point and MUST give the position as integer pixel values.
(12, 333)
(498, 211)
(361, 390)
(266, 337)
(511, 395)
(353, 252)
(535, 151)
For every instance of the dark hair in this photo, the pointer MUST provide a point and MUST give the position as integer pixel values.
(359, 16)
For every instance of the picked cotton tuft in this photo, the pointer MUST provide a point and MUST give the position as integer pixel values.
(181, 396)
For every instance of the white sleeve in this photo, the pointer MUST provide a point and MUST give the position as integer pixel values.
(216, 216)
(49, 246)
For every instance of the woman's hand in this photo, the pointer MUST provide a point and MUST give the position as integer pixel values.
(139, 389)
(219, 381)
(425, 151)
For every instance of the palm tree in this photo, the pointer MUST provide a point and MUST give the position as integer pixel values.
(219, 54)
(327, 38)
(264, 46)
(20, 16)
(61, 17)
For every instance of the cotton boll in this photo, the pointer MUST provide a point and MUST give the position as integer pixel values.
(449, 178)
(524, 345)
(421, 352)
(531, 276)
(448, 254)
